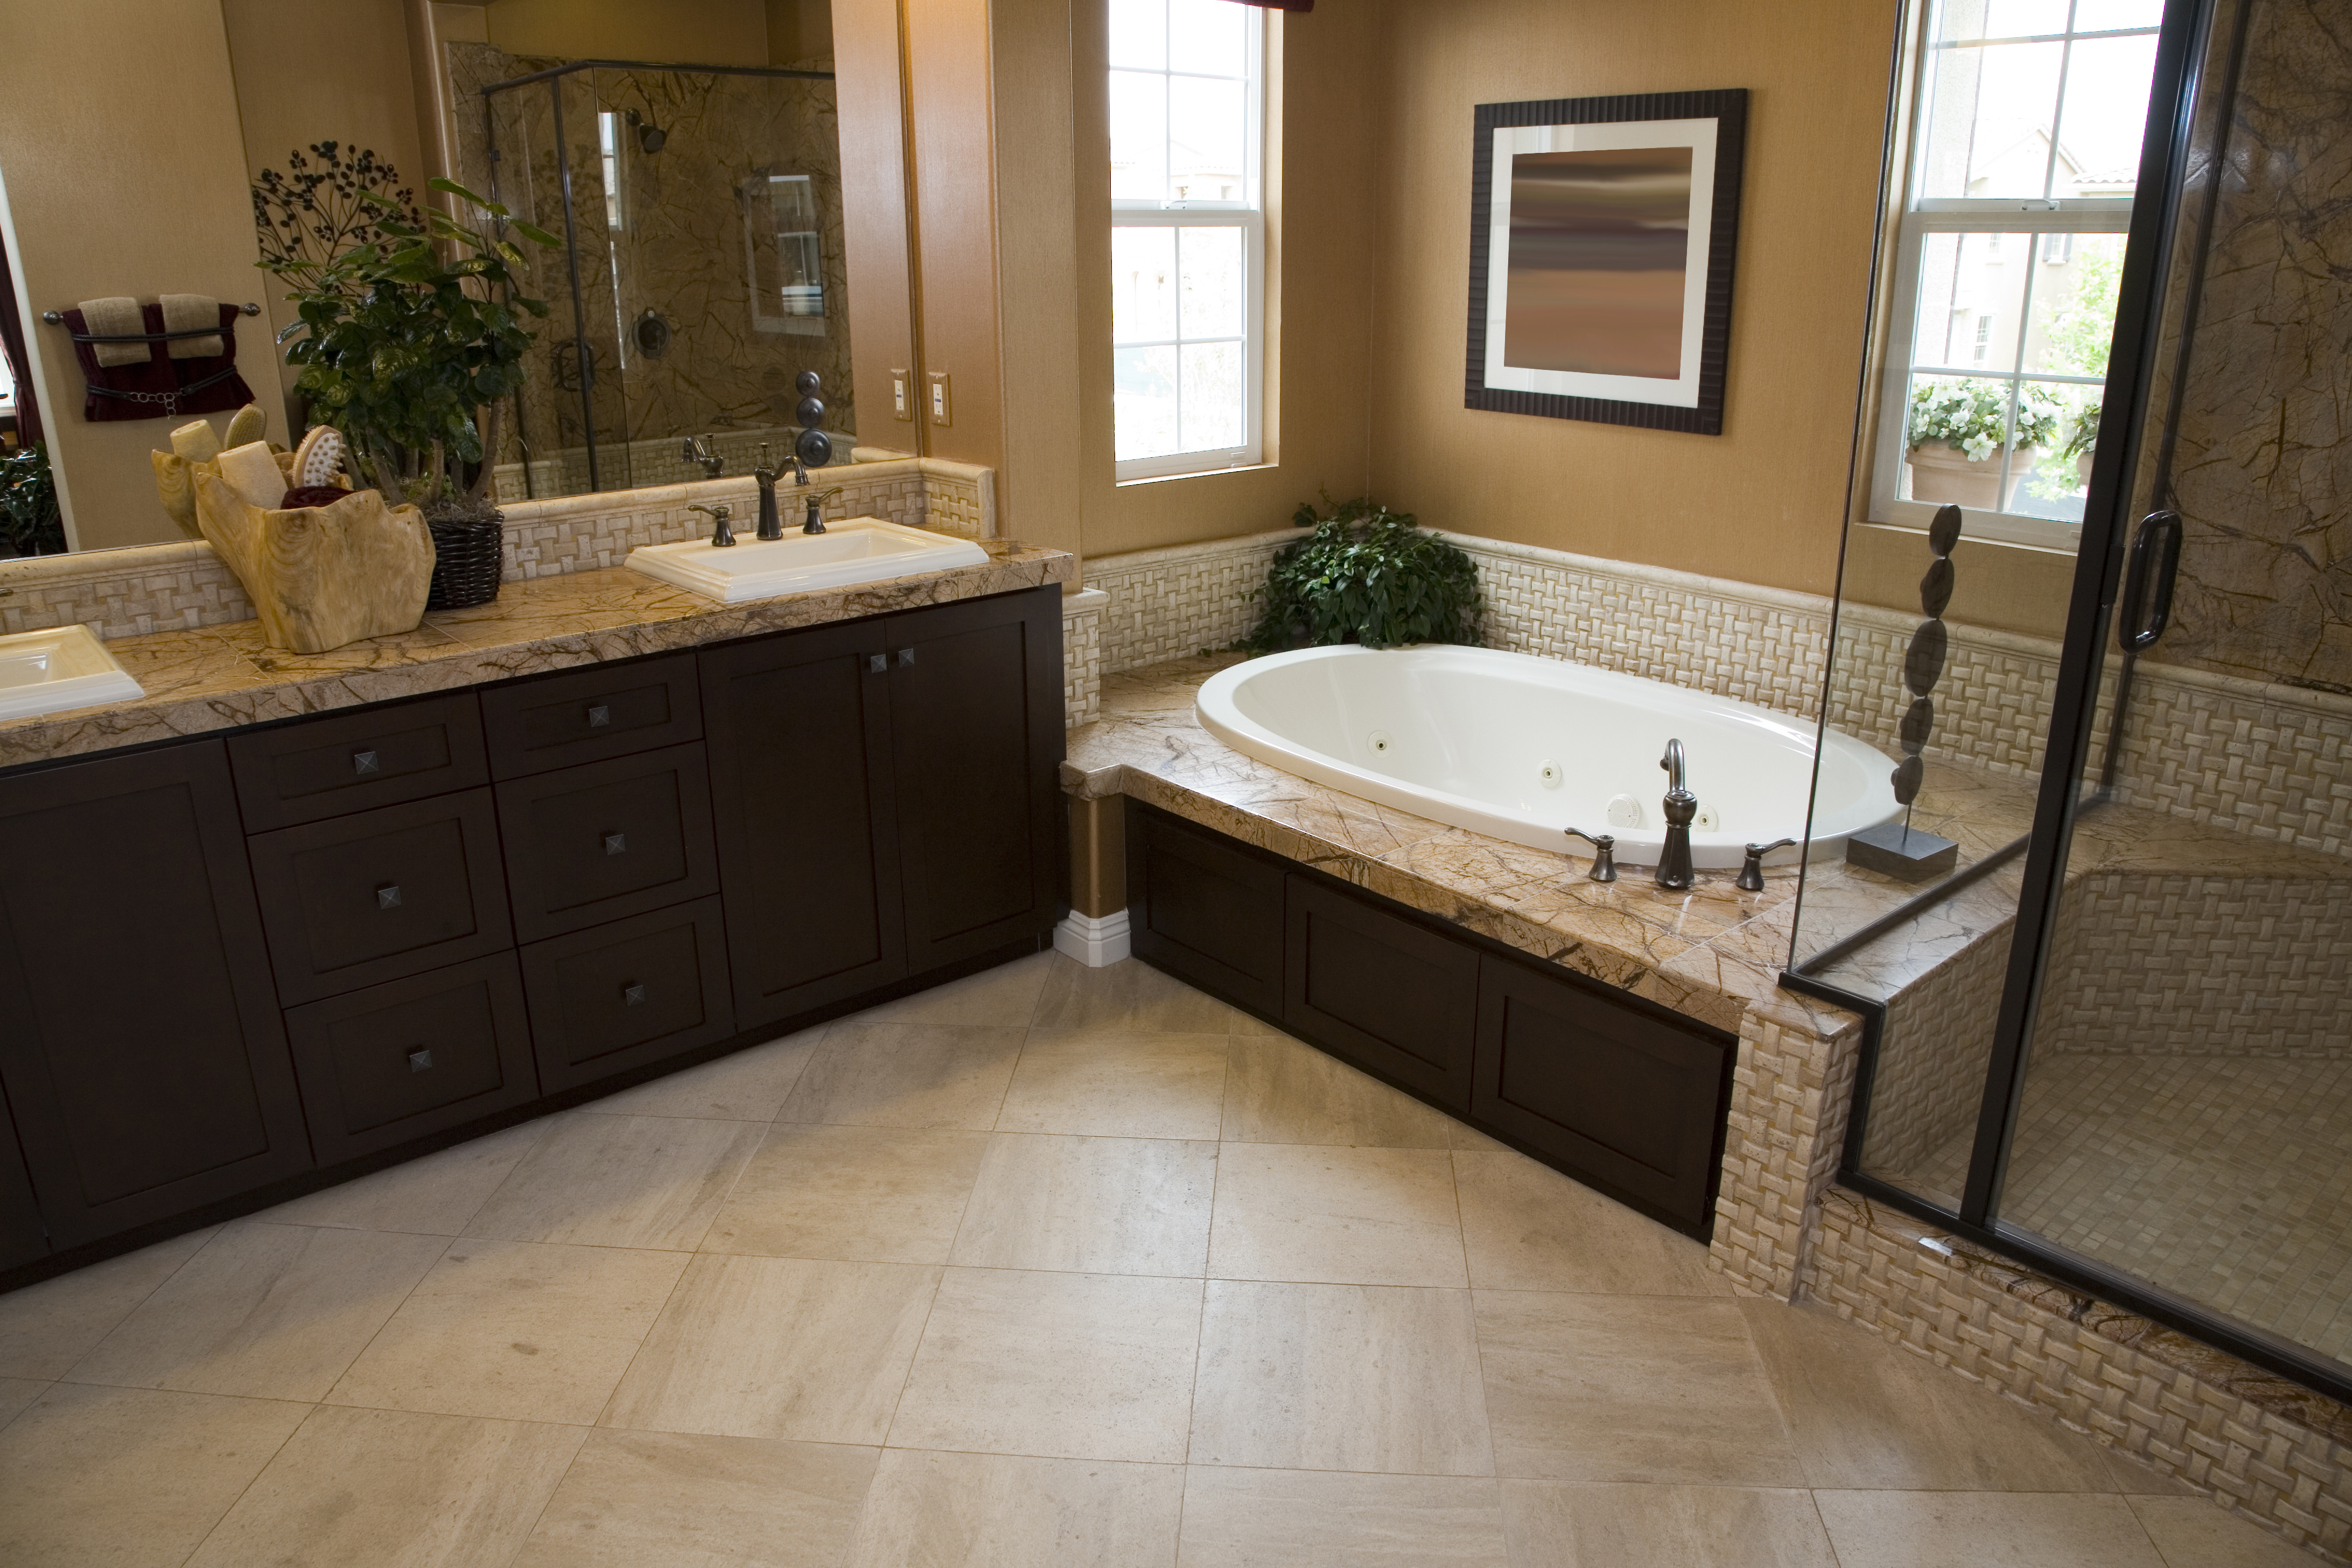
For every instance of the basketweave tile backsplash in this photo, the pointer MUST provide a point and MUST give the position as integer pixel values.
(2273, 761)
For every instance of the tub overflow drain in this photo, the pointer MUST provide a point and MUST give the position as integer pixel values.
(1380, 741)
(1549, 773)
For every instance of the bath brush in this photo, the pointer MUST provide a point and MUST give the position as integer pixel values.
(318, 459)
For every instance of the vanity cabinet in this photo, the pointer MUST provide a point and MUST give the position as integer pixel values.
(1385, 993)
(624, 995)
(604, 840)
(22, 1237)
(144, 1058)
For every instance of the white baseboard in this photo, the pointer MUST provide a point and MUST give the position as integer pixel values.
(1094, 940)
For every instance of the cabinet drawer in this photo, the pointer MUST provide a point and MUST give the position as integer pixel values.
(1204, 910)
(624, 995)
(332, 767)
(588, 715)
(361, 900)
(395, 1061)
(594, 844)
(1377, 990)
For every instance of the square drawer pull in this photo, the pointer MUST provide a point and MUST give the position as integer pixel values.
(633, 993)
(615, 843)
(419, 1059)
(364, 764)
(875, 663)
(387, 897)
(599, 716)
(906, 657)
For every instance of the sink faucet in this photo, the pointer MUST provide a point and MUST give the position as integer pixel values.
(722, 537)
(1681, 805)
(770, 525)
(698, 451)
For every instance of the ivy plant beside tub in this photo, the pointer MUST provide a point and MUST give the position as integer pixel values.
(1369, 576)
(1956, 433)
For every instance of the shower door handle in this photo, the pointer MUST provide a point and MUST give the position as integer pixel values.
(2148, 581)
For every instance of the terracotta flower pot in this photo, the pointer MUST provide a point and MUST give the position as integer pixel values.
(1942, 472)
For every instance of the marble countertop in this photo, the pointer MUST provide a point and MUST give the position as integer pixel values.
(1710, 952)
(221, 677)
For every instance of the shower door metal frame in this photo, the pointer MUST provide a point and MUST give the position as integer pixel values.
(553, 77)
(2184, 45)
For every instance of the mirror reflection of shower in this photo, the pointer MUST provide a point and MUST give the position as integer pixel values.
(701, 270)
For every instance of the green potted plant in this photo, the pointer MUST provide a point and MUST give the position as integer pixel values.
(2083, 439)
(410, 341)
(1369, 576)
(30, 522)
(1956, 432)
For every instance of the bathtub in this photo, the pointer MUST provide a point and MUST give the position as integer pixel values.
(1524, 748)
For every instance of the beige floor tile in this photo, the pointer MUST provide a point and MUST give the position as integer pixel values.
(2134, 1477)
(1528, 1227)
(749, 1086)
(1131, 996)
(1868, 1414)
(1090, 1206)
(1628, 1388)
(779, 1347)
(869, 1194)
(1339, 1377)
(651, 1182)
(515, 1330)
(1333, 1216)
(1281, 1090)
(2198, 1533)
(665, 1500)
(1969, 1529)
(998, 1511)
(907, 1075)
(16, 1392)
(129, 1477)
(271, 1311)
(1462, 1135)
(1001, 998)
(46, 1327)
(1090, 1366)
(1318, 1519)
(1555, 1524)
(434, 1194)
(362, 1487)
(1118, 1086)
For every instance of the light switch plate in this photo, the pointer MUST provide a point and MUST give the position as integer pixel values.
(942, 409)
(902, 397)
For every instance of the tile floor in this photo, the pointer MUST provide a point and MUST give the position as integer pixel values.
(1049, 1267)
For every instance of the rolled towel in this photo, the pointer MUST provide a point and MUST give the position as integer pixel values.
(118, 316)
(252, 472)
(185, 313)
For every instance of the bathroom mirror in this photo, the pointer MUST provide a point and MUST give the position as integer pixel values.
(703, 262)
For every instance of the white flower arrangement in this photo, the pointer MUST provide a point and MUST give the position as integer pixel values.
(1973, 416)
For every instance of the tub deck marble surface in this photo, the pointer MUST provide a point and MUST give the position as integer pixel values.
(1708, 953)
(220, 677)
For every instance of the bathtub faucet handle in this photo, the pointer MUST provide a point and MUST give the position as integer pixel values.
(1751, 872)
(1604, 858)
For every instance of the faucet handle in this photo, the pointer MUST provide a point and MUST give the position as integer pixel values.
(1751, 870)
(722, 535)
(1604, 858)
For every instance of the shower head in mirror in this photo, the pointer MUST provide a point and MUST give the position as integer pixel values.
(650, 137)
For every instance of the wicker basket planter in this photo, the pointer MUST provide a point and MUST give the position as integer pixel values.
(466, 561)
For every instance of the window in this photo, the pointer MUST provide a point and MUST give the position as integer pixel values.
(2028, 120)
(1188, 235)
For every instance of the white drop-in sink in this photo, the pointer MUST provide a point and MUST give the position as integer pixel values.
(64, 666)
(861, 550)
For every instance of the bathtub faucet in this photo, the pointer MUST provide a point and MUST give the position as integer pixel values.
(1681, 805)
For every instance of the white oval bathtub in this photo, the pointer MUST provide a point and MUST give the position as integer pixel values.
(1525, 748)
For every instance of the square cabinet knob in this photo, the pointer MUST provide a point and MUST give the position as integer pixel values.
(633, 993)
(419, 1060)
(599, 717)
(615, 843)
(364, 764)
(388, 896)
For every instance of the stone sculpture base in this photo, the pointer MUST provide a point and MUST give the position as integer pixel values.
(1913, 853)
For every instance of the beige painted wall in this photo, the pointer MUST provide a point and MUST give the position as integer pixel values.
(137, 189)
(703, 32)
(1764, 501)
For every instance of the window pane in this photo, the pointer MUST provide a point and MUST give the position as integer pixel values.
(2052, 476)
(2107, 110)
(2007, 18)
(2075, 278)
(1215, 288)
(2098, 16)
(1138, 136)
(1207, 35)
(1956, 439)
(1138, 34)
(1991, 116)
(1207, 135)
(1214, 412)
(1971, 300)
(1143, 403)
(1143, 285)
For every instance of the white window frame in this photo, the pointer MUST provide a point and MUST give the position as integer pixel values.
(1923, 215)
(1248, 215)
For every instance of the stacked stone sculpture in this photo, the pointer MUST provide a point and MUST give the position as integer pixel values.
(1897, 848)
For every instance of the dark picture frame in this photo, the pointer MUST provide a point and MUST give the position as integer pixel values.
(1619, 381)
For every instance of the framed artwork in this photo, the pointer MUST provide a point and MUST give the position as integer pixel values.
(1601, 238)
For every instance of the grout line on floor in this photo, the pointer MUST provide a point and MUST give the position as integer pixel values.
(259, 1470)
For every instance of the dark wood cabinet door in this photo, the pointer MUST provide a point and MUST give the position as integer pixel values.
(398, 1061)
(626, 994)
(1204, 909)
(335, 766)
(22, 1237)
(1633, 1104)
(1377, 990)
(797, 729)
(606, 840)
(143, 1056)
(588, 715)
(976, 735)
(361, 900)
